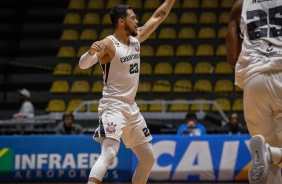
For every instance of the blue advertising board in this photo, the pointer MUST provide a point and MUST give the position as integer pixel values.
(200, 158)
(46, 158)
(56, 158)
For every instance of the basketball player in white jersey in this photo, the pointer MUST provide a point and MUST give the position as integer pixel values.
(119, 57)
(254, 49)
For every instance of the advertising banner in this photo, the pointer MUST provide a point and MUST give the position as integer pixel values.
(46, 158)
(200, 158)
(56, 158)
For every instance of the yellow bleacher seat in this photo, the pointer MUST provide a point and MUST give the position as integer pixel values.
(221, 50)
(147, 50)
(223, 18)
(78, 71)
(167, 33)
(223, 85)
(203, 85)
(72, 18)
(62, 69)
(176, 4)
(179, 107)
(158, 106)
(190, 4)
(186, 33)
(66, 52)
(146, 16)
(227, 3)
(205, 50)
(95, 4)
(82, 50)
(238, 105)
(153, 35)
(197, 107)
(165, 50)
(171, 18)
(223, 68)
(97, 70)
(144, 87)
(105, 32)
(91, 19)
(185, 50)
(224, 104)
(106, 19)
(97, 86)
(88, 34)
(182, 86)
(151, 4)
(56, 105)
(207, 18)
(145, 68)
(76, 5)
(161, 86)
(80, 86)
(209, 4)
(59, 86)
(73, 104)
(222, 32)
(69, 35)
(142, 107)
(183, 68)
(163, 68)
(111, 3)
(206, 33)
(188, 18)
(203, 68)
(94, 107)
(135, 4)
(238, 89)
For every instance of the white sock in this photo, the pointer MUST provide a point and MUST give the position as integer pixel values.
(276, 155)
(91, 182)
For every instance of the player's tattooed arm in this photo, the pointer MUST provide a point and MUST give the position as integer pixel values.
(157, 18)
(145, 34)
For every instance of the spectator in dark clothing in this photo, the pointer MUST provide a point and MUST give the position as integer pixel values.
(234, 127)
(68, 126)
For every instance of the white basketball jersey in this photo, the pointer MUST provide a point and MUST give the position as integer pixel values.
(261, 27)
(121, 74)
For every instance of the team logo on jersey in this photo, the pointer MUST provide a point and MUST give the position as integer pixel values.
(111, 128)
(116, 42)
(136, 46)
(269, 48)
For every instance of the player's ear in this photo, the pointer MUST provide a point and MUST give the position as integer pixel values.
(121, 21)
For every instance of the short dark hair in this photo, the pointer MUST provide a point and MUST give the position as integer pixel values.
(119, 11)
(68, 114)
(191, 115)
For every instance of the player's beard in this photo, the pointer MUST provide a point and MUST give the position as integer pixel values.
(130, 31)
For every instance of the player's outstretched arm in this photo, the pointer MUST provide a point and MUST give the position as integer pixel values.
(157, 18)
(233, 40)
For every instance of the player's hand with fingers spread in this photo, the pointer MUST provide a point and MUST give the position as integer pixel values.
(97, 46)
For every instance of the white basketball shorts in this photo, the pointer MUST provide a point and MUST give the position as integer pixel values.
(120, 119)
(263, 106)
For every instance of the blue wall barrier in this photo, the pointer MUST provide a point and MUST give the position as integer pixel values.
(178, 158)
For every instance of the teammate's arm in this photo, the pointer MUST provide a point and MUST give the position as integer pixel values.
(97, 51)
(233, 39)
(157, 18)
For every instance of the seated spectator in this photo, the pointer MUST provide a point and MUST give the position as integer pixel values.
(27, 109)
(234, 127)
(68, 126)
(191, 126)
